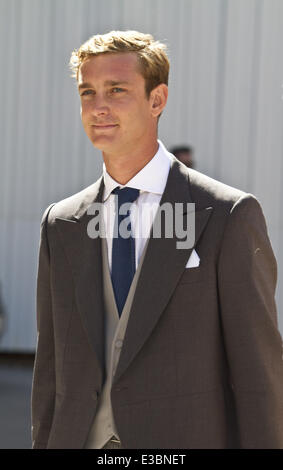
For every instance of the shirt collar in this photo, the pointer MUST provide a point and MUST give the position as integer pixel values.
(151, 178)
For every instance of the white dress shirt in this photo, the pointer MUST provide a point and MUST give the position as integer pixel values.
(151, 181)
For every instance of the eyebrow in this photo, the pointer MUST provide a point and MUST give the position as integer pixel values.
(107, 82)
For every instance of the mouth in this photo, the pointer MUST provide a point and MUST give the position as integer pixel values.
(104, 127)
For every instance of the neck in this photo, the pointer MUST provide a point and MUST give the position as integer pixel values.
(124, 166)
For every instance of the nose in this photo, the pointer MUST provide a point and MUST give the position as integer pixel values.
(99, 106)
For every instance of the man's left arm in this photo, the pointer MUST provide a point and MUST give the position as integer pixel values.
(247, 276)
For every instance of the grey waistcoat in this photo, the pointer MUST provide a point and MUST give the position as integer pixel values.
(103, 427)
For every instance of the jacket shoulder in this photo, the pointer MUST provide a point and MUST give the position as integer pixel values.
(68, 207)
(205, 187)
(207, 191)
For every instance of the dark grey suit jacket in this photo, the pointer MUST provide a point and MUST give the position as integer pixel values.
(201, 365)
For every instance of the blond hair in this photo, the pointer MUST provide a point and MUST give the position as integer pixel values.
(152, 58)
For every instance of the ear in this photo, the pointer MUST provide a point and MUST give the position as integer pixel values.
(158, 97)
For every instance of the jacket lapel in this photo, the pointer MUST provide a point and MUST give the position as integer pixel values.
(162, 268)
(84, 256)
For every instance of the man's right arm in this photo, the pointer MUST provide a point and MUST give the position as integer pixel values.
(43, 386)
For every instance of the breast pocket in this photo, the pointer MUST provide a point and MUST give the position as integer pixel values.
(197, 274)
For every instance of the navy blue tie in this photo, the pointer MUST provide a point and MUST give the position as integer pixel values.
(123, 250)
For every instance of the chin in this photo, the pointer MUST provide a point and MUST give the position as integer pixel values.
(104, 144)
(102, 141)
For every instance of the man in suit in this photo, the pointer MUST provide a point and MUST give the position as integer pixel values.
(142, 344)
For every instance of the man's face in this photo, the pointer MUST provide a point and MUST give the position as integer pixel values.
(115, 112)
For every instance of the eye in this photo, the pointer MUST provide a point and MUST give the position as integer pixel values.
(117, 90)
(86, 92)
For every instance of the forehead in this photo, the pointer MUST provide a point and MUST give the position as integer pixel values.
(117, 66)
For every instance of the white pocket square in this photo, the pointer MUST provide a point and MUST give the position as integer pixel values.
(193, 261)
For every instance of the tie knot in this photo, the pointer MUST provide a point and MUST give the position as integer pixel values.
(126, 194)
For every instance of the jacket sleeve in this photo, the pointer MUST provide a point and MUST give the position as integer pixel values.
(247, 276)
(43, 384)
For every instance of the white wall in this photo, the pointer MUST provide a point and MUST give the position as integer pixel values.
(225, 99)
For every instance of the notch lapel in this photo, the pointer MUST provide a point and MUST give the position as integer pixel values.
(162, 268)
